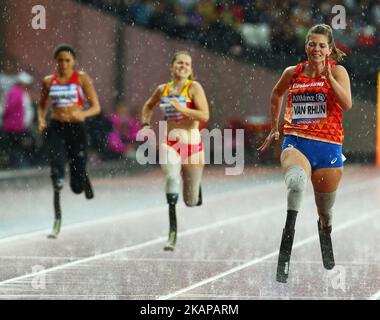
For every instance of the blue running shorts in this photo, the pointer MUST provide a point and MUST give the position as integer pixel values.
(320, 154)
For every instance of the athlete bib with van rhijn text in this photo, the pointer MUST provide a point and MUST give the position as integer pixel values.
(309, 108)
(312, 110)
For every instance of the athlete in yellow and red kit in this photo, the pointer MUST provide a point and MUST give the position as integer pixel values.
(184, 104)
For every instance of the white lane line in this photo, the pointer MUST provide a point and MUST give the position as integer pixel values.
(375, 296)
(72, 296)
(38, 258)
(256, 214)
(131, 259)
(79, 225)
(70, 264)
(216, 197)
(140, 213)
(262, 297)
(189, 232)
(268, 256)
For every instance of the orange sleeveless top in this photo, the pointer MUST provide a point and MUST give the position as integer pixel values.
(311, 110)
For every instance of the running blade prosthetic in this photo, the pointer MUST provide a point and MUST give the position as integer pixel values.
(170, 245)
(284, 255)
(56, 229)
(326, 246)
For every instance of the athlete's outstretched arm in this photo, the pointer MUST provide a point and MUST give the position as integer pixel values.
(42, 106)
(147, 109)
(201, 111)
(276, 98)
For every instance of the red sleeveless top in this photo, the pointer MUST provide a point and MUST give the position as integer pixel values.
(66, 94)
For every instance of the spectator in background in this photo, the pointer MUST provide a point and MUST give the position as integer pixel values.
(121, 141)
(7, 80)
(223, 34)
(98, 128)
(163, 18)
(187, 5)
(17, 122)
(141, 12)
(238, 27)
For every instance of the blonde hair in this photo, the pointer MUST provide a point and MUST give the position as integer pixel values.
(175, 56)
(326, 30)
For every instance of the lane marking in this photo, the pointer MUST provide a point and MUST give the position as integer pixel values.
(159, 240)
(71, 296)
(266, 257)
(262, 212)
(375, 296)
(140, 213)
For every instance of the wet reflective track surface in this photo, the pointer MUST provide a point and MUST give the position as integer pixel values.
(111, 247)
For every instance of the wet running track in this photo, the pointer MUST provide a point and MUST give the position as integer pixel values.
(111, 247)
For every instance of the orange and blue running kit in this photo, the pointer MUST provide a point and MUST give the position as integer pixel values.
(313, 120)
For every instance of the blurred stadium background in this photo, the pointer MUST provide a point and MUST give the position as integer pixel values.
(111, 248)
(239, 48)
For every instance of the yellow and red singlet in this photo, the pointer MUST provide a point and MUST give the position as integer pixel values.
(171, 114)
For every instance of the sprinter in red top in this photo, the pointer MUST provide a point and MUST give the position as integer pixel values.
(318, 92)
(66, 133)
(184, 105)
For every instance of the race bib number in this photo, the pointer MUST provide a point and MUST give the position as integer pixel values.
(167, 108)
(309, 108)
(64, 95)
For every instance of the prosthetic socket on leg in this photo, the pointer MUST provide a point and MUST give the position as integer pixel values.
(172, 177)
(295, 180)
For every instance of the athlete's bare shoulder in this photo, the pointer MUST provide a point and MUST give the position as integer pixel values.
(196, 84)
(83, 77)
(289, 71)
(46, 81)
(339, 70)
(286, 76)
(160, 89)
(195, 88)
(82, 74)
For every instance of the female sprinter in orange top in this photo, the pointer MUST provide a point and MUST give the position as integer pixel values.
(184, 104)
(66, 133)
(318, 92)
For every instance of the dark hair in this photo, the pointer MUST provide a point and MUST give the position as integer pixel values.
(64, 47)
(326, 30)
(186, 53)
